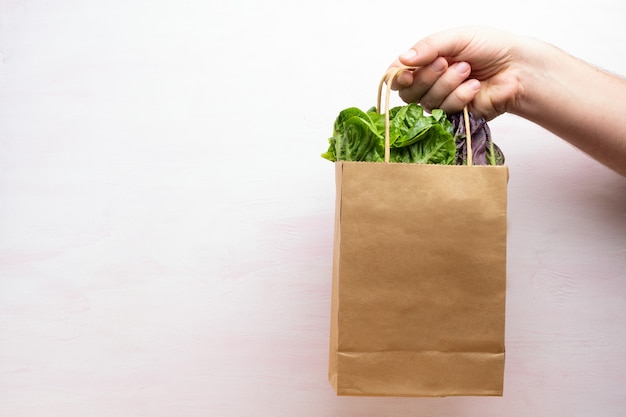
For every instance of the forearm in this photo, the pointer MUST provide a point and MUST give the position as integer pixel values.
(577, 102)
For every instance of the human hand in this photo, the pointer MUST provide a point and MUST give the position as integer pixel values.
(473, 66)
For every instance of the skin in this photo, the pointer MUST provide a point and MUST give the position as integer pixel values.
(495, 72)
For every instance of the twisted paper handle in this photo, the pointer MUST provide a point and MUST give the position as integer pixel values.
(387, 79)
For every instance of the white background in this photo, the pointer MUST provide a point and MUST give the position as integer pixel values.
(166, 219)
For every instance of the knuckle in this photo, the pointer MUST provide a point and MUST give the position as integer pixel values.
(406, 96)
(429, 103)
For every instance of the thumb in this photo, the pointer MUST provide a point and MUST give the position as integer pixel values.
(448, 43)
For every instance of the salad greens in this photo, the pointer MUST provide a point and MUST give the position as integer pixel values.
(414, 137)
(484, 151)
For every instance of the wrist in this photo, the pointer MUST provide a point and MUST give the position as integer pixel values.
(535, 76)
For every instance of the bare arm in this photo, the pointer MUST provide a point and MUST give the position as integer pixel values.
(578, 102)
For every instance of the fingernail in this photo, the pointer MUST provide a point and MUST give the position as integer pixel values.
(462, 67)
(474, 84)
(402, 80)
(437, 65)
(409, 55)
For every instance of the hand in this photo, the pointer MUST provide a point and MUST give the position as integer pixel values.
(493, 72)
(472, 66)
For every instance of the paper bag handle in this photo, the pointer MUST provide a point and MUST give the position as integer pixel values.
(387, 79)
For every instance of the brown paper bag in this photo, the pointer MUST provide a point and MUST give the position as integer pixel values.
(418, 283)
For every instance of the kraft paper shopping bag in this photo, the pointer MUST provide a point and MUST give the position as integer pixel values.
(419, 279)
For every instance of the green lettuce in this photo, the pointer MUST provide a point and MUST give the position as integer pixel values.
(414, 136)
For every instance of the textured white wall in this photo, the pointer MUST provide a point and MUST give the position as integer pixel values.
(166, 220)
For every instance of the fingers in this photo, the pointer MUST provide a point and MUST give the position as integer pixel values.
(415, 83)
(427, 55)
(402, 79)
(449, 43)
(423, 57)
(460, 97)
(440, 85)
(436, 95)
(443, 62)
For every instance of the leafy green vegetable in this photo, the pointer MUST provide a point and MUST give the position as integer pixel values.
(414, 137)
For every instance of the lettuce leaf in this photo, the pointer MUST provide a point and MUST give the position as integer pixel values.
(414, 137)
(356, 137)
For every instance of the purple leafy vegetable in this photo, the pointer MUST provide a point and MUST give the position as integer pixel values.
(484, 151)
